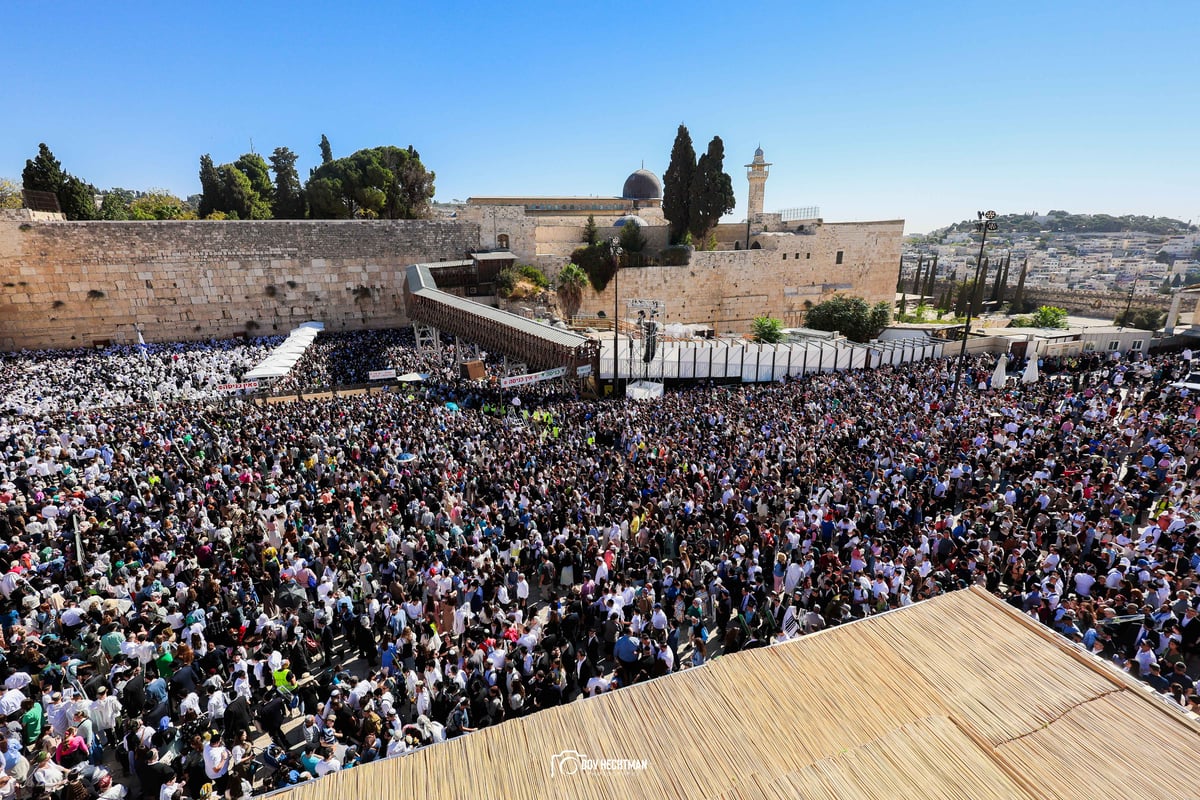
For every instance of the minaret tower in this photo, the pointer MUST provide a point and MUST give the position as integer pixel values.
(756, 173)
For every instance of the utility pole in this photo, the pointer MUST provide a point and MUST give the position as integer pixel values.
(984, 225)
(615, 245)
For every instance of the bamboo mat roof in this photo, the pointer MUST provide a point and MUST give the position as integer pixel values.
(956, 697)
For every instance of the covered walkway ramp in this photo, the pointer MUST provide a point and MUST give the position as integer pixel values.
(534, 344)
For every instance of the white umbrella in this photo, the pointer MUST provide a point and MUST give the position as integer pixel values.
(1030, 375)
(1000, 376)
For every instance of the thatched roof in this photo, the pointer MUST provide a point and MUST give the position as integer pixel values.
(960, 696)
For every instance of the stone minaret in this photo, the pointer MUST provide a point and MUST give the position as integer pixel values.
(756, 173)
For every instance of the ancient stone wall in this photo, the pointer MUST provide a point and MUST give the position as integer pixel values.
(69, 284)
(1092, 304)
(727, 289)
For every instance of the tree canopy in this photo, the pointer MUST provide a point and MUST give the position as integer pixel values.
(10, 194)
(287, 199)
(677, 183)
(44, 173)
(570, 283)
(1065, 222)
(1044, 317)
(711, 193)
(631, 238)
(241, 190)
(851, 316)
(1149, 319)
(768, 330)
(381, 182)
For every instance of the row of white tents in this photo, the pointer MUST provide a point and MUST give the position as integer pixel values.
(284, 357)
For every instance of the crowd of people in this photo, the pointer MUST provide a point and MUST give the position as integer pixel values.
(56, 381)
(346, 358)
(356, 577)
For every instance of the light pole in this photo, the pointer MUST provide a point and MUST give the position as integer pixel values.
(1129, 301)
(615, 245)
(986, 223)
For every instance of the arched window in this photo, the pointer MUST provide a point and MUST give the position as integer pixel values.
(502, 241)
(756, 246)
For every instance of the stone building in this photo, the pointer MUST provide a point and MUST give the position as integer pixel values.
(778, 264)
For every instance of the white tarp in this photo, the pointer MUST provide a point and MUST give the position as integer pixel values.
(1000, 376)
(644, 390)
(1030, 375)
(284, 357)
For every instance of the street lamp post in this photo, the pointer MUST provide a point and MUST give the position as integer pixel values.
(615, 245)
(1129, 301)
(985, 224)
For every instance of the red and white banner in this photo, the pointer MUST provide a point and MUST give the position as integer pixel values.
(533, 377)
(237, 387)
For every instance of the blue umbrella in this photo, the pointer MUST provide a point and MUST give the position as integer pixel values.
(452, 406)
(404, 458)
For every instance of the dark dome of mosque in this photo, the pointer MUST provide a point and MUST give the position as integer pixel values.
(642, 185)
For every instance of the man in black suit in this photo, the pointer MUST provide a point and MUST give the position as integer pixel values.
(579, 674)
(272, 711)
(133, 694)
(238, 717)
(153, 774)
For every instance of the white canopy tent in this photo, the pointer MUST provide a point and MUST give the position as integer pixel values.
(644, 390)
(284, 357)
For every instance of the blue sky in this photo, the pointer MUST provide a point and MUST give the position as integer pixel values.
(920, 110)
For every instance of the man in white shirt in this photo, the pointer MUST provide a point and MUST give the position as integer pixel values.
(216, 762)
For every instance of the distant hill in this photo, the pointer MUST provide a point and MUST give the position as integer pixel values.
(1066, 222)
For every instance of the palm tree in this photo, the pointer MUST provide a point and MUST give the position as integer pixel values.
(571, 281)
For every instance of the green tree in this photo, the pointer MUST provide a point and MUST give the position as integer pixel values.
(1049, 317)
(43, 173)
(326, 150)
(1148, 319)
(852, 316)
(255, 168)
(113, 207)
(10, 194)
(677, 184)
(77, 199)
(767, 330)
(287, 199)
(1018, 301)
(571, 280)
(711, 196)
(238, 198)
(158, 204)
(388, 182)
(211, 193)
(631, 238)
(599, 261)
(591, 234)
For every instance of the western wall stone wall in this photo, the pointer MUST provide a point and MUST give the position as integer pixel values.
(70, 284)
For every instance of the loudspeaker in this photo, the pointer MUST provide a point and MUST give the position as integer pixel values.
(472, 370)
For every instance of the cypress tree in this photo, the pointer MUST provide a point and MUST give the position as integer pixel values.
(677, 184)
(929, 284)
(711, 194)
(1018, 301)
(210, 187)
